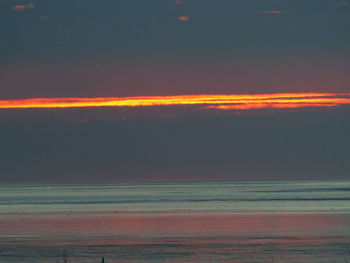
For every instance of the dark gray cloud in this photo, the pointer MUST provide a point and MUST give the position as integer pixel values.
(268, 146)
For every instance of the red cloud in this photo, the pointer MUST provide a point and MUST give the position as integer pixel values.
(23, 7)
(183, 18)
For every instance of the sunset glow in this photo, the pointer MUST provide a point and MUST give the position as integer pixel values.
(222, 102)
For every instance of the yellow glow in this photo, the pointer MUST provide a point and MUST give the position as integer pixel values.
(223, 102)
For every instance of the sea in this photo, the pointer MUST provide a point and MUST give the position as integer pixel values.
(227, 221)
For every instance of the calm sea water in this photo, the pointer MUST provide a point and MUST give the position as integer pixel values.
(266, 221)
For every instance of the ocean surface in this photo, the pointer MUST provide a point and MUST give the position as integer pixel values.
(231, 221)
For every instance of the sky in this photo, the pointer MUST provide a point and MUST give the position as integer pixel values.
(144, 90)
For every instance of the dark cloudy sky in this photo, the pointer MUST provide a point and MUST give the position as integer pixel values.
(93, 48)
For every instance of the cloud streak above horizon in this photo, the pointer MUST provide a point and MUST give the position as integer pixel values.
(205, 101)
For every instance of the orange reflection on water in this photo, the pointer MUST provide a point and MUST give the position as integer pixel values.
(222, 102)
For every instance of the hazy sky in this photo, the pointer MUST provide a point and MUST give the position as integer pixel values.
(118, 48)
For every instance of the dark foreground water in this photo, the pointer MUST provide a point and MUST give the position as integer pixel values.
(270, 221)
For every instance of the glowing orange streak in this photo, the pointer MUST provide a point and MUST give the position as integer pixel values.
(337, 101)
(267, 106)
(240, 101)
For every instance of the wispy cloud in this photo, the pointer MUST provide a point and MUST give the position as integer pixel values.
(272, 12)
(221, 102)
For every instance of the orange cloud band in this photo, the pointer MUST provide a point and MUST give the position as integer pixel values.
(223, 102)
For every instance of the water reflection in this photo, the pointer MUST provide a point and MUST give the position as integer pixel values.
(177, 236)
